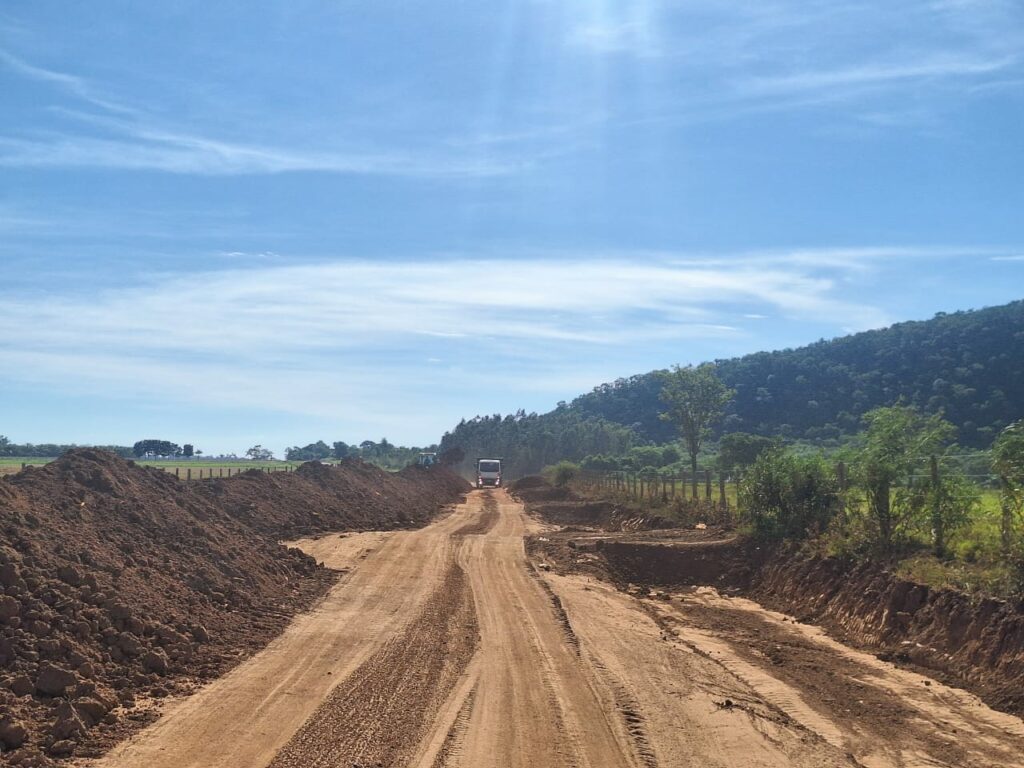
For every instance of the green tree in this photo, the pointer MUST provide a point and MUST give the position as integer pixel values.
(739, 450)
(259, 453)
(897, 440)
(156, 447)
(188, 450)
(940, 503)
(340, 450)
(1008, 462)
(695, 398)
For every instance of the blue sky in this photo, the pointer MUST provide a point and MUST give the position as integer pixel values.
(240, 222)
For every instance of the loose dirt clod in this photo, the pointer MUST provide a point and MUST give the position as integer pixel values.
(120, 584)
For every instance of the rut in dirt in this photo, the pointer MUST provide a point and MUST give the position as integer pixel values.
(485, 522)
(382, 712)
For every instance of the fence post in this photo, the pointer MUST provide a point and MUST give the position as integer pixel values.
(707, 484)
(1006, 516)
(721, 491)
(177, 472)
(188, 473)
(938, 525)
(841, 478)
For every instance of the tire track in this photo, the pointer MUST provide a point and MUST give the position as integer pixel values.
(381, 712)
(559, 609)
(630, 711)
(452, 747)
(485, 522)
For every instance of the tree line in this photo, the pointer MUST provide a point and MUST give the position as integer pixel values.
(526, 442)
(384, 453)
(49, 450)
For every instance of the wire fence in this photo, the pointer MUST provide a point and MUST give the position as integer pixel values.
(716, 490)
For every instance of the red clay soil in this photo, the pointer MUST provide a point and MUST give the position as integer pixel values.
(350, 496)
(977, 644)
(562, 506)
(120, 584)
(969, 643)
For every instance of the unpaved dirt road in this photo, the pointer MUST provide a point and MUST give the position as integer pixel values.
(445, 647)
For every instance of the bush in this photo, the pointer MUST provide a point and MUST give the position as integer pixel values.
(562, 473)
(789, 496)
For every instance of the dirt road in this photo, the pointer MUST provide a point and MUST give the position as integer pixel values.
(446, 647)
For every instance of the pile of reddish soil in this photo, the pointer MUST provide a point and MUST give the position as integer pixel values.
(725, 564)
(120, 584)
(535, 489)
(350, 496)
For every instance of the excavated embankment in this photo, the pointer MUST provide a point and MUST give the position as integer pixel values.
(975, 644)
(978, 644)
(120, 584)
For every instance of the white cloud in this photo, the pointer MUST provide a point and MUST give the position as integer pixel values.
(363, 339)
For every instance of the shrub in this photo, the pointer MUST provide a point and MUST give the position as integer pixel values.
(562, 473)
(789, 496)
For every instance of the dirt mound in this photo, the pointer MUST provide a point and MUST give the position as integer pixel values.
(121, 584)
(976, 644)
(727, 564)
(530, 481)
(350, 496)
(535, 488)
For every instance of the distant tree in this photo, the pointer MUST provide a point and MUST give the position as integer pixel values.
(340, 450)
(5, 446)
(452, 456)
(739, 450)
(156, 448)
(1008, 462)
(695, 398)
(188, 450)
(259, 453)
(312, 452)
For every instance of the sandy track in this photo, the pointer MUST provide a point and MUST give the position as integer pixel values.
(377, 715)
(445, 648)
(244, 718)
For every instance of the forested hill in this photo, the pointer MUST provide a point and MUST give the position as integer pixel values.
(969, 365)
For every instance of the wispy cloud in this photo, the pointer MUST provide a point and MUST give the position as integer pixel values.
(877, 74)
(182, 153)
(77, 86)
(263, 330)
(341, 340)
(133, 142)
